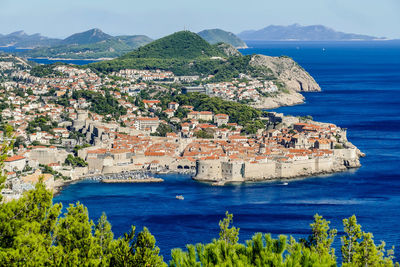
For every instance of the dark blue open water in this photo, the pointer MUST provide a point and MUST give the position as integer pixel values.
(361, 91)
(68, 61)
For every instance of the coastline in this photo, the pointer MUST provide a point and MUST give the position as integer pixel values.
(277, 179)
(61, 184)
(282, 100)
(121, 181)
(70, 59)
(215, 182)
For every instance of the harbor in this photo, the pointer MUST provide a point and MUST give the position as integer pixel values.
(124, 177)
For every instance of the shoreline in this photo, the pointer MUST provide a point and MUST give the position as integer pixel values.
(60, 185)
(70, 59)
(275, 179)
(121, 181)
(58, 188)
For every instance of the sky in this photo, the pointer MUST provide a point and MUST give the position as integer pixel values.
(157, 18)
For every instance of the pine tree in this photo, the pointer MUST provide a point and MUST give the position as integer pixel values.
(350, 242)
(229, 235)
(103, 238)
(320, 241)
(74, 233)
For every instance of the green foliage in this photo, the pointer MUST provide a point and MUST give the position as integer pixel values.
(338, 146)
(47, 169)
(321, 240)
(103, 105)
(359, 249)
(74, 235)
(78, 147)
(6, 146)
(112, 47)
(215, 36)
(162, 130)
(46, 70)
(26, 226)
(204, 134)
(184, 53)
(34, 234)
(238, 113)
(226, 234)
(104, 238)
(44, 123)
(75, 161)
(306, 118)
(183, 45)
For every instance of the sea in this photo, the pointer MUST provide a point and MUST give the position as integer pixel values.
(13, 49)
(360, 84)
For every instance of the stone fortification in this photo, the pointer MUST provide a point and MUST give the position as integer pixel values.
(223, 170)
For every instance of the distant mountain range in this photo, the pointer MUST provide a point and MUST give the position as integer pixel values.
(298, 32)
(215, 36)
(22, 40)
(94, 43)
(91, 44)
(87, 37)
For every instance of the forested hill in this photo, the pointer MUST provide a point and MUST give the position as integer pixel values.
(87, 37)
(183, 53)
(91, 44)
(214, 36)
(109, 48)
(180, 45)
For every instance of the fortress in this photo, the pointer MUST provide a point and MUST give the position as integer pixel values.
(224, 171)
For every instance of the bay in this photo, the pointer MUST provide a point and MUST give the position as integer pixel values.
(360, 84)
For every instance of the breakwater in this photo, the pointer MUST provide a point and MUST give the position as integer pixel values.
(124, 177)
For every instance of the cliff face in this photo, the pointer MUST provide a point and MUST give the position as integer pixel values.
(229, 50)
(281, 100)
(288, 71)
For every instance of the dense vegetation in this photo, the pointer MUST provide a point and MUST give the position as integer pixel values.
(34, 233)
(87, 37)
(222, 70)
(75, 161)
(162, 130)
(46, 71)
(182, 45)
(184, 53)
(103, 105)
(241, 114)
(42, 123)
(110, 48)
(215, 36)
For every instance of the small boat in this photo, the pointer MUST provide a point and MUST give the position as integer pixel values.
(180, 197)
(285, 183)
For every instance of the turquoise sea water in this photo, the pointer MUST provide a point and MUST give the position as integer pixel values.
(361, 92)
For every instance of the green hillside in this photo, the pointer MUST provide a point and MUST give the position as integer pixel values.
(215, 36)
(87, 37)
(110, 48)
(180, 45)
(184, 53)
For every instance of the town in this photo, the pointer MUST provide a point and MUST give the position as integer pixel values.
(71, 123)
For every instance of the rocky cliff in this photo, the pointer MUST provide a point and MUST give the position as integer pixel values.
(287, 71)
(283, 99)
(228, 49)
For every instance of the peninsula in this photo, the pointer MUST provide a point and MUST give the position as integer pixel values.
(297, 32)
(178, 104)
